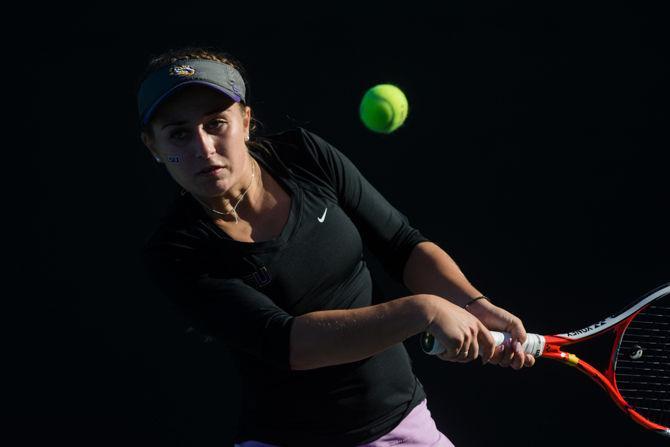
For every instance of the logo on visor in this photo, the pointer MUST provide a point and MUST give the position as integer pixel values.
(182, 70)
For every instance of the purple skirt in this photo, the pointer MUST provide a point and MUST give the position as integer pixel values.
(416, 430)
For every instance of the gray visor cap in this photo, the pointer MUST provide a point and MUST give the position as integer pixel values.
(166, 80)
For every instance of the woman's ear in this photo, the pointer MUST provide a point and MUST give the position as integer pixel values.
(246, 118)
(148, 142)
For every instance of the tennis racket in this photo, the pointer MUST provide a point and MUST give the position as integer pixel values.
(637, 377)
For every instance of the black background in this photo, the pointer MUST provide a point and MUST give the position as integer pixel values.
(535, 153)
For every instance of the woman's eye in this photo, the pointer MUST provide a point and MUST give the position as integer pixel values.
(178, 134)
(215, 124)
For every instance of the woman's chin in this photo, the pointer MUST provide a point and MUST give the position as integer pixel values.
(213, 189)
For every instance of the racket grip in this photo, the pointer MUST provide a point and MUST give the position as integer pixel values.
(534, 343)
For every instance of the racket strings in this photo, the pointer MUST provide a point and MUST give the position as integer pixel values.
(642, 365)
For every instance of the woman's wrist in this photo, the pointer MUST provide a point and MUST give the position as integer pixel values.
(477, 304)
(426, 305)
(474, 300)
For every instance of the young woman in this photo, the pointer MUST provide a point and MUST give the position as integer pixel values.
(262, 249)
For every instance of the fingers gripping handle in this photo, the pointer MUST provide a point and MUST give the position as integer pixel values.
(534, 343)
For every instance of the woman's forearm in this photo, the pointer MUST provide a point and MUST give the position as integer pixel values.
(333, 337)
(429, 269)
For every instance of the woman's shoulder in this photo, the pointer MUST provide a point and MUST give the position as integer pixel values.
(303, 154)
(297, 142)
(178, 227)
(292, 135)
(301, 148)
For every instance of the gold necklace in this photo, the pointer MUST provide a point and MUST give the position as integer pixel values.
(234, 210)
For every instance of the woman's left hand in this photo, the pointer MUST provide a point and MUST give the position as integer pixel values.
(498, 319)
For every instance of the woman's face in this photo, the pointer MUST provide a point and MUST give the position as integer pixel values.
(199, 127)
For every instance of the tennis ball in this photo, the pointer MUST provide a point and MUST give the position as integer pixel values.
(383, 108)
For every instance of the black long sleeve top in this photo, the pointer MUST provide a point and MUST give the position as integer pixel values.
(247, 294)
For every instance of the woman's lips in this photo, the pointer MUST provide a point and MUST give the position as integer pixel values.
(212, 170)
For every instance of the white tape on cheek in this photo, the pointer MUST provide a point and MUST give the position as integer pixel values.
(174, 158)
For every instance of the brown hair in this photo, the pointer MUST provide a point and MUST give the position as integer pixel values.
(210, 53)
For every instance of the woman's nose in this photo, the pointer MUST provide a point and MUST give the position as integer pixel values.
(204, 144)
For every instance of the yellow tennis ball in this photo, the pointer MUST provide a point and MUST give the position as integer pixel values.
(383, 108)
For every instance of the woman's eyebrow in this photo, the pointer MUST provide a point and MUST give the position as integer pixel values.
(178, 123)
(217, 110)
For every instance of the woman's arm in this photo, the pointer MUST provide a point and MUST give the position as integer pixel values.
(332, 337)
(429, 269)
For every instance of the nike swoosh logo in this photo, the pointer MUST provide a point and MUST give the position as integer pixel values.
(322, 218)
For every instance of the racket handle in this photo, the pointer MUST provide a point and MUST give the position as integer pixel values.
(534, 343)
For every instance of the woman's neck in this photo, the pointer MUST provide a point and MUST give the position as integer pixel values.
(247, 197)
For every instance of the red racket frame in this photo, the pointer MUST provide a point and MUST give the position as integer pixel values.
(606, 380)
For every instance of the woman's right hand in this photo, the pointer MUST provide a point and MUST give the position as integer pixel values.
(463, 335)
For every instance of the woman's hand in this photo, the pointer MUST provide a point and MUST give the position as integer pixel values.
(498, 319)
(463, 334)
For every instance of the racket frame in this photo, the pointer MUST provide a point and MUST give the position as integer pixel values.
(552, 344)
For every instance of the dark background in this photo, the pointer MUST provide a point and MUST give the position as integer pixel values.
(535, 153)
